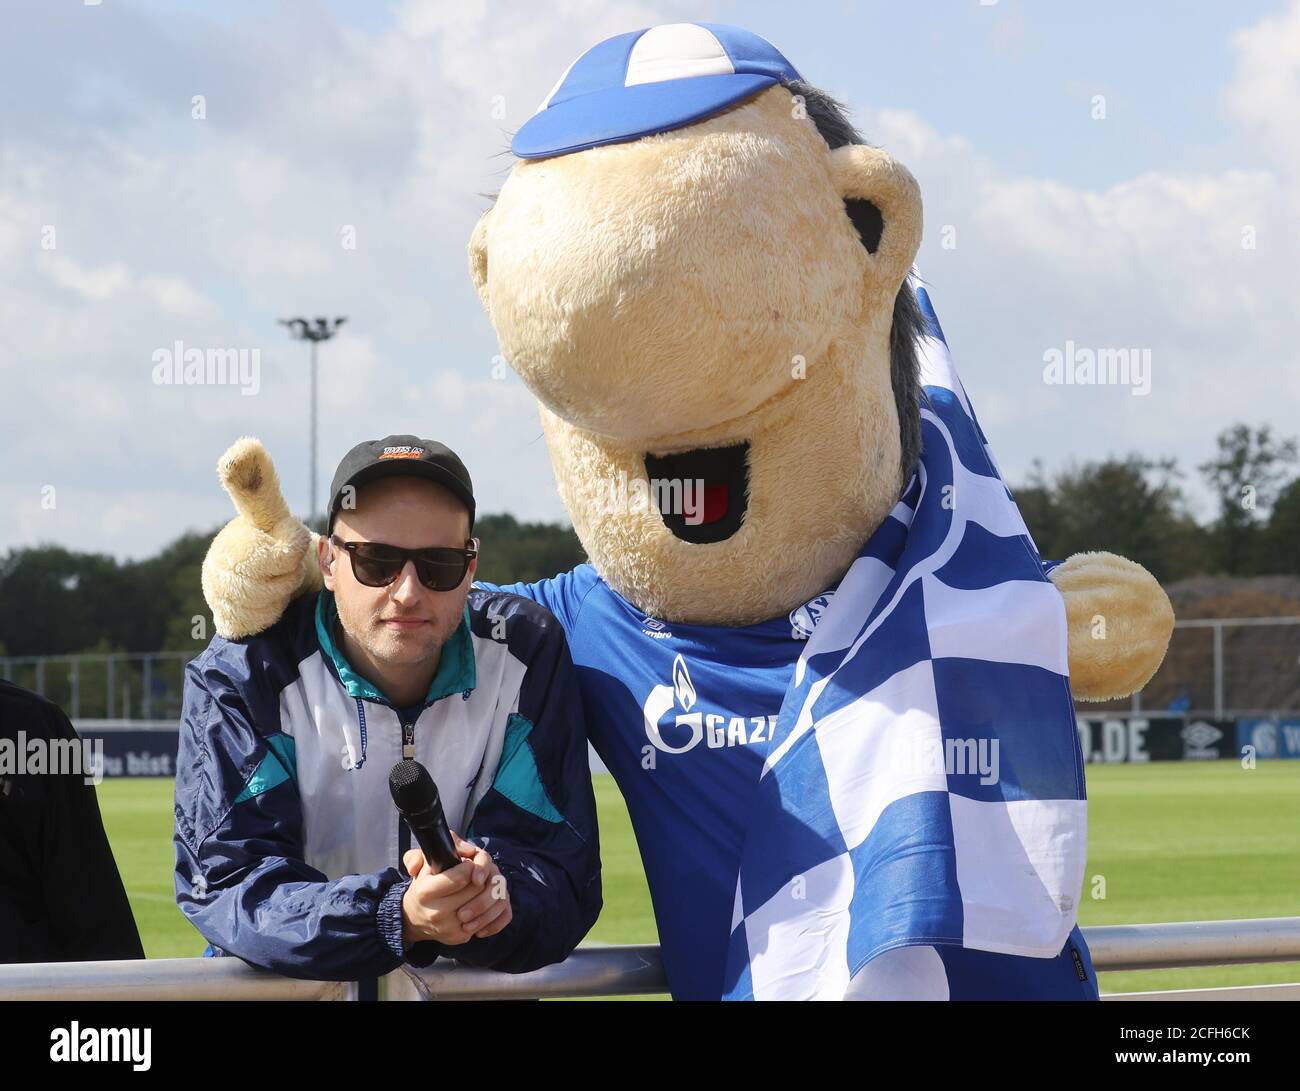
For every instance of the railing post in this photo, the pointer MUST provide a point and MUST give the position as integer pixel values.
(146, 704)
(1218, 670)
(109, 682)
(40, 675)
(74, 683)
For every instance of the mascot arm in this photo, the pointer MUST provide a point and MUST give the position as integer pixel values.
(563, 594)
(263, 558)
(1119, 617)
(1119, 620)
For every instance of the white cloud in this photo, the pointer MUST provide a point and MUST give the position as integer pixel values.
(123, 519)
(97, 285)
(176, 296)
(1155, 262)
(1264, 95)
(207, 231)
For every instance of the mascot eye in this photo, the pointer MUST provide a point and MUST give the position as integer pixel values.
(867, 219)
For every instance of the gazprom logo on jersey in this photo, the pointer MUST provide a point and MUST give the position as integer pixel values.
(803, 619)
(687, 728)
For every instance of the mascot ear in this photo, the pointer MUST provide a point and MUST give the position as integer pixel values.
(478, 271)
(874, 177)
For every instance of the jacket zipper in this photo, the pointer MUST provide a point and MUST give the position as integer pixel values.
(361, 723)
(408, 752)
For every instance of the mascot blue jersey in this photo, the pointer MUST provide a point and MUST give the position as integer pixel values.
(683, 717)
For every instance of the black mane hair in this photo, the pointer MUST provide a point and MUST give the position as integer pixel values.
(909, 324)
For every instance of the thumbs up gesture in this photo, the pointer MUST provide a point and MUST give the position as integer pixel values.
(264, 557)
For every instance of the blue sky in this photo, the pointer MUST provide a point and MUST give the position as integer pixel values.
(319, 116)
(1003, 74)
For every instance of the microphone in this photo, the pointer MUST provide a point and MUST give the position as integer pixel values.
(417, 799)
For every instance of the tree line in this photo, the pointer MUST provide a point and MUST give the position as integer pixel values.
(55, 600)
(1137, 507)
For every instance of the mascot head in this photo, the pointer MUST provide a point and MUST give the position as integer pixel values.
(698, 267)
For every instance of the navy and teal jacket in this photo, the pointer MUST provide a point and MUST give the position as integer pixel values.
(288, 845)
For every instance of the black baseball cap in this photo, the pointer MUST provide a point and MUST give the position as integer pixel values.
(396, 456)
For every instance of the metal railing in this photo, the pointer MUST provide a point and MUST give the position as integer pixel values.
(1255, 674)
(1223, 667)
(105, 685)
(635, 970)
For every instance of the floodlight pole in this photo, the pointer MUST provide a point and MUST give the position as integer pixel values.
(301, 329)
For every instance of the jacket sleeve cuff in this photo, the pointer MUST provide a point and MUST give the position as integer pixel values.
(388, 918)
(424, 953)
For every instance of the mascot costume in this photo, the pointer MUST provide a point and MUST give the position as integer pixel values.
(818, 648)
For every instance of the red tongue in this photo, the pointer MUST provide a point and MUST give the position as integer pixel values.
(715, 502)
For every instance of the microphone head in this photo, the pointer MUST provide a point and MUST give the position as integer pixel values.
(411, 786)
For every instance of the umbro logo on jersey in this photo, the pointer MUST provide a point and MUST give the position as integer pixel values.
(656, 629)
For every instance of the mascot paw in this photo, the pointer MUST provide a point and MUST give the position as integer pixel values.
(263, 557)
(1120, 621)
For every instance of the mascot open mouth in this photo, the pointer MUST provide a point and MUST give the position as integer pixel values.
(701, 494)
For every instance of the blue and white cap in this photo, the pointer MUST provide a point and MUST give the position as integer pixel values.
(650, 81)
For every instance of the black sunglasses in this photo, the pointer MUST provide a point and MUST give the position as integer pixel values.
(439, 568)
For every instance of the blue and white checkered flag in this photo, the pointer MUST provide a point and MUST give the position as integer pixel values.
(925, 784)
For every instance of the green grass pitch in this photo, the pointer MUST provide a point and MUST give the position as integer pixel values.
(1170, 841)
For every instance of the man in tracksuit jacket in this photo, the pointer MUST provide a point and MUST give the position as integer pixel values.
(287, 841)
